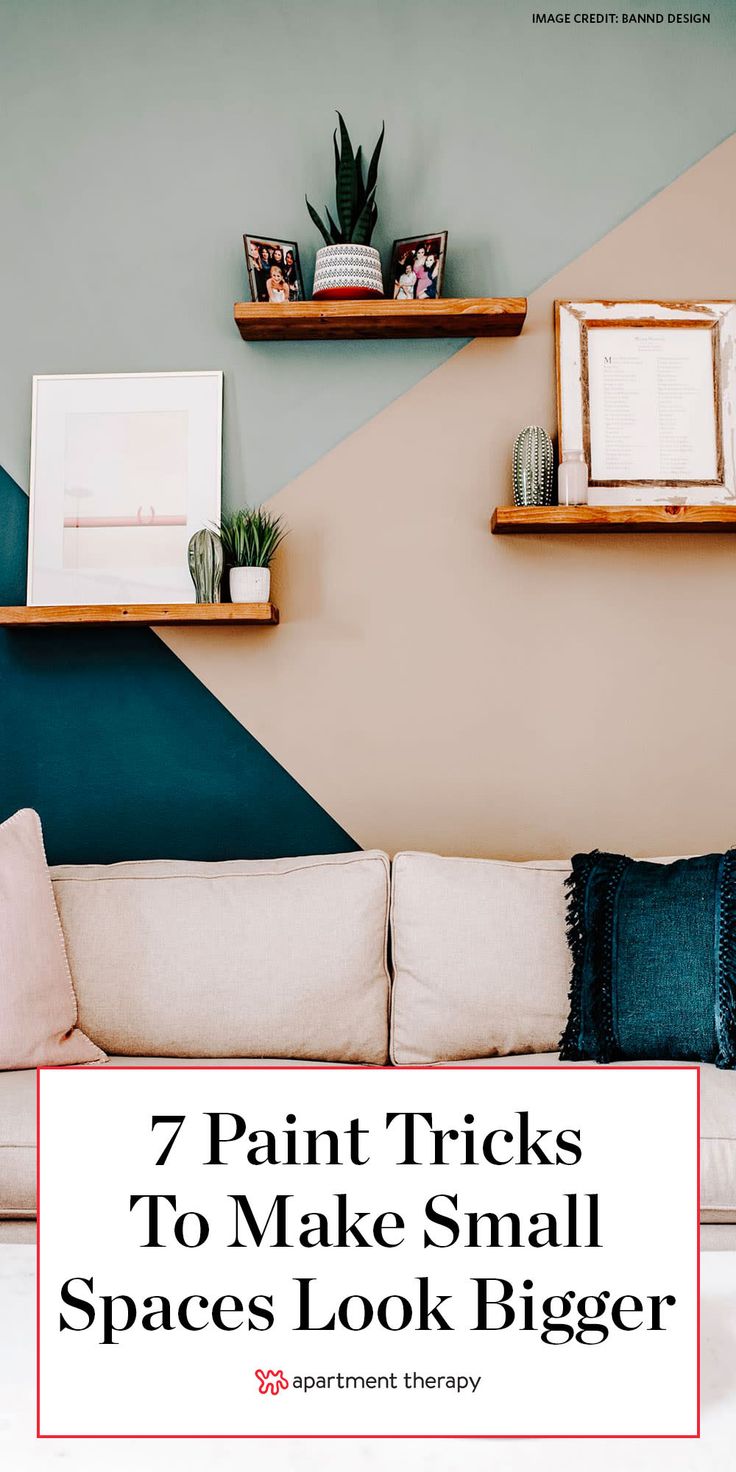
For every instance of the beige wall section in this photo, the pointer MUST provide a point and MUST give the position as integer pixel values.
(434, 687)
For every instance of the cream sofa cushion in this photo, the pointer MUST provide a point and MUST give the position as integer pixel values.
(18, 1143)
(717, 1127)
(481, 963)
(18, 1124)
(283, 957)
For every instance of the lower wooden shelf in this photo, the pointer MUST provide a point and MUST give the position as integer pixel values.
(151, 614)
(508, 521)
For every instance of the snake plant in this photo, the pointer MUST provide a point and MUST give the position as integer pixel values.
(357, 211)
(250, 537)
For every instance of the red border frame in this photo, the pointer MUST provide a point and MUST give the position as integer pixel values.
(357, 1435)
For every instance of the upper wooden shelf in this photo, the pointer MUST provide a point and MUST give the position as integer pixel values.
(473, 316)
(509, 521)
(151, 614)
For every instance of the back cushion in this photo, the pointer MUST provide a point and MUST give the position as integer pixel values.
(481, 964)
(283, 958)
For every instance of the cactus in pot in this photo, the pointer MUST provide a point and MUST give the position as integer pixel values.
(347, 265)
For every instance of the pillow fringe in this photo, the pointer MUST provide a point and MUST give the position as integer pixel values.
(576, 885)
(726, 998)
(607, 1048)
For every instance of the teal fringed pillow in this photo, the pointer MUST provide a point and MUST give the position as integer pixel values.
(653, 959)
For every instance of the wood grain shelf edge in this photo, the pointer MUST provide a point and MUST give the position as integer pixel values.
(444, 317)
(151, 614)
(521, 520)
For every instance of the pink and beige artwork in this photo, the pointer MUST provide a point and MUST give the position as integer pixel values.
(127, 474)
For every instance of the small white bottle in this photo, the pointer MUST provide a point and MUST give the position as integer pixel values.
(572, 480)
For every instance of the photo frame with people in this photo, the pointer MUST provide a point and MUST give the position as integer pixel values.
(274, 270)
(418, 267)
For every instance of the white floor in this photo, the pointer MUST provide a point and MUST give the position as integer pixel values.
(19, 1450)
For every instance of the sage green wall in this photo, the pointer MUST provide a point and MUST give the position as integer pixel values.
(141, 137)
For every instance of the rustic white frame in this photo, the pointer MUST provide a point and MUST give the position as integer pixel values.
(572, 320)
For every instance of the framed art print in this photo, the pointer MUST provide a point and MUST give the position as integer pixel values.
(125, 467)
(647, 390)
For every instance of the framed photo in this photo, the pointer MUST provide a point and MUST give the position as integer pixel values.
(418, 267)
(274, 270)
(647, 390)
(124, 468)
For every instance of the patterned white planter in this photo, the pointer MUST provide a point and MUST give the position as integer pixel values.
(350, 272)
(250, 584)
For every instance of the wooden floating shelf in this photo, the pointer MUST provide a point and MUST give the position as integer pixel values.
(508, 521)
(473, 316)
(151, 614)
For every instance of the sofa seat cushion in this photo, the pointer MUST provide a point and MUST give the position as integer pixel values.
(717, 1119)
(18, 1122)
(717, 1126)
(18, 1143)
(283, 958)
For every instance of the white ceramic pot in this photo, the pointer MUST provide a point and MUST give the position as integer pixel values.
(250, 584)
(347, 272)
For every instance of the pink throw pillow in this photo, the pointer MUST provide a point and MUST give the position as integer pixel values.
(38, 1008)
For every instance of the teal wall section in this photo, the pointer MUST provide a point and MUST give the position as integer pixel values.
(124, 753)
(142, 138)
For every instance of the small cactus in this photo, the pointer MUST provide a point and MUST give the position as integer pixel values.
(533, 467)
(205, 565)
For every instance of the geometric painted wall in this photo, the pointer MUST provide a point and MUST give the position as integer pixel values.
(428, 686)
(124, 753)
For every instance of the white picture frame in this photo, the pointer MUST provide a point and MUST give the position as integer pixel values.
(125, 467)
(647, 390)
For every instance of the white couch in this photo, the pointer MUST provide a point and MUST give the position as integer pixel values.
(288, 960)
